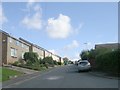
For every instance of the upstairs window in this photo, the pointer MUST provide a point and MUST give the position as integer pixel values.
(22, 45)
(17, 43)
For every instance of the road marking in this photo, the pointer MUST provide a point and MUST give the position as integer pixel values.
(54, 77)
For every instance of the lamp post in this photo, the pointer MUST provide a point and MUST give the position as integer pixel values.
(86, 50)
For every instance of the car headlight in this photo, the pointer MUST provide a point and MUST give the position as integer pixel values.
(88, 64)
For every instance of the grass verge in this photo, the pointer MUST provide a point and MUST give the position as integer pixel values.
(8, 73)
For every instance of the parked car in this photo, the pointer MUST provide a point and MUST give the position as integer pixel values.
(84, 65)
(76, 62)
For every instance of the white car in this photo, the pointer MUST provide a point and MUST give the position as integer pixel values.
(84, 65)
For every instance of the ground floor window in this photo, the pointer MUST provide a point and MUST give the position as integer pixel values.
(13, 52)
(22, 55)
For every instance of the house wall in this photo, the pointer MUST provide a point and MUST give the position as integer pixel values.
(48, 54)
(111, 46)
(0, 48)
(40, 52)
(8, 43)
(56, 58)
(21, 48)
(4, 48)
(62, 60)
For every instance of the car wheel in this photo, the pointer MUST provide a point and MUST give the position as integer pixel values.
(90, 69)
(79, 71)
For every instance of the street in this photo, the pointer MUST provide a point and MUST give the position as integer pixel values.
(66, 77)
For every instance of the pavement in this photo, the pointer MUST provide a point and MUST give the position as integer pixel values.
(62, 77)
(104, 75)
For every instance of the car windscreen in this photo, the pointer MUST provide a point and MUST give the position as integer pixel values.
(83, 63)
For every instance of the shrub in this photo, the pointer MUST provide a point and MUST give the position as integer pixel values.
(59, 63)
(109, 61)
(48, 60)
(42, 65)
(92, 54)
(16, 63)
(55, 62)
(31, 57)
(41, 61)
(65, 59)
(84, 55)
(46, 65)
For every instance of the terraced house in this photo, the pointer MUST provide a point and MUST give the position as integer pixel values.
(13, 49)
(56, 57)
(35, 48)
(42, 52)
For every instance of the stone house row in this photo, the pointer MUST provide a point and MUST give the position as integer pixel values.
(13, 49)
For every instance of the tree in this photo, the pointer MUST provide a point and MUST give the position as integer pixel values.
(92, 54)
(65, 59)
(48, 60)
(31, 57)
(55, 62)
(84, 55)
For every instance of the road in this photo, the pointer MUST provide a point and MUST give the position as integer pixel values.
(66, 77)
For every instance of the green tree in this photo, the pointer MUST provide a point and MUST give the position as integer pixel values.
(84, 55)
(66, 60)
(48, 60)
(55, 62)
(92, 54)
(31, 57)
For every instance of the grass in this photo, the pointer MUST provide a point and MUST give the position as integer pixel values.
(0, 74)
(8, 72)
(33, 67)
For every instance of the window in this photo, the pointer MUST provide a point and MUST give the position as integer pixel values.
(13, 52)
(27, 47)
(17, 43)
(22, 55)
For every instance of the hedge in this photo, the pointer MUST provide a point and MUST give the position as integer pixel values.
(109, 61)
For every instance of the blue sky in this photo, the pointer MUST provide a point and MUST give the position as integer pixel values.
(62, 28)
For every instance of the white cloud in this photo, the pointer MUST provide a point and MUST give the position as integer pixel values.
(3, 18)
(31, 2)
(79, 28)
(60, 27)
(73, 45)
(77, 55)
(37, 8)
(74, 57)
(33, 21)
